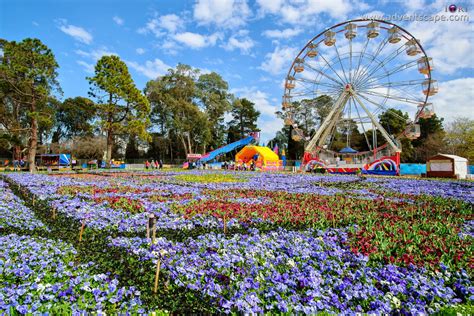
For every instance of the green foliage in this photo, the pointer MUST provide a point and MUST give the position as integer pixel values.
(74, 117)
(175, 111)
(212, 92)
(244, 119)
(394, 121)
(28, 74)
(122, 108)
(460, 137)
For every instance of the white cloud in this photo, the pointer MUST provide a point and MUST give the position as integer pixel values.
(449, 43)
(140, 51)
(270, 6)
(87, 66)
(197, 41)
(414, 5)
(223, 13)
(286, 33)
(267, 122)
(278, 61)
(241, 41)
(77, 32)
(152, 26)
(454, 99)
(304, 11)
(151, 69)
(97, 53)
(118, 20)
(171, 22)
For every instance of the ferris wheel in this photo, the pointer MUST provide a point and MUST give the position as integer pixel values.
(357, 70)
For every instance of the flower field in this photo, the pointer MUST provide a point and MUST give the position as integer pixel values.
(225, 242)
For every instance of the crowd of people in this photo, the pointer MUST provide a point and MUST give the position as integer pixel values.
(154, 164)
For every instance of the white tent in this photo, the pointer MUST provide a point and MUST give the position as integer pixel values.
(447, 166)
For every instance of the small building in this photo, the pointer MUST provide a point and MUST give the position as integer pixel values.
(447, 166)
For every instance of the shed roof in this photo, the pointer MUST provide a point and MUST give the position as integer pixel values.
(453, 157)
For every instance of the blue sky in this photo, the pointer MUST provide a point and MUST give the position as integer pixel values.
(250, 43)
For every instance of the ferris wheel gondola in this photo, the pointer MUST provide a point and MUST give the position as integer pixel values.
(365, 68)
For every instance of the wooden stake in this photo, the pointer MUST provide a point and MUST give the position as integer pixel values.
(82, 230)
(54, 213)
(225, 225)
(150, 226)
(157, 275)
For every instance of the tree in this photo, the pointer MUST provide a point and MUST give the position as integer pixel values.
(28, 68)
(74, 117)
(89, 147)
(394, 121)
(212, 92)
(13, 129)
(244, 119)
(174, 97)
(131, 151)
(460, 137)
(122, 108)
(431, 140)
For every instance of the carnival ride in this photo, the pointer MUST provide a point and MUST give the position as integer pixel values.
(210, 156)
(264, 158)
(363, 68)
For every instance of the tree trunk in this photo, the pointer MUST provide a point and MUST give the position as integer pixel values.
(33, 138)
(16, 152)
(110, 143)
(190, 148)
(185, 147)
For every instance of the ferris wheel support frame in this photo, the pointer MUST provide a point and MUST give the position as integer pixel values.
(330, 120)
(378, 125)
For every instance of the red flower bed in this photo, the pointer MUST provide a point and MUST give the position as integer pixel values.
(423, 232)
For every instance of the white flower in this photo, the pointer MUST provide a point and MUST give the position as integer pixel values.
(41, 287)
(396, 302)
(291, 263)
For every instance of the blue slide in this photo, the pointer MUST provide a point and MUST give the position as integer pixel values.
(227, 148)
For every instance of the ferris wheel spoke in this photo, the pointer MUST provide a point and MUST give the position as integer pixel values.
(361, 123)
(350, 59)
(341, 82)
(360, 56)
(382, 107)
(401, 90)
(388, 59)
(388, 96)
(391, 72)
(326, 84)
(373, 58)
(379, 126)
(393, 84)
(340, 62)
(324, 74)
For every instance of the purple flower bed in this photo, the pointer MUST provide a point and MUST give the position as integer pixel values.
(298, 272)
(304, 271)
(14, 214)
(38, 275)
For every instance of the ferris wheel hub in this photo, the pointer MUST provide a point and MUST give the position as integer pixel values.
(349, 88)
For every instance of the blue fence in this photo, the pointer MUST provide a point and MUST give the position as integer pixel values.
(419, 168)
(412, 169)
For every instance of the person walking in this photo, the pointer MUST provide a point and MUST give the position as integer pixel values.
(161, 164)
